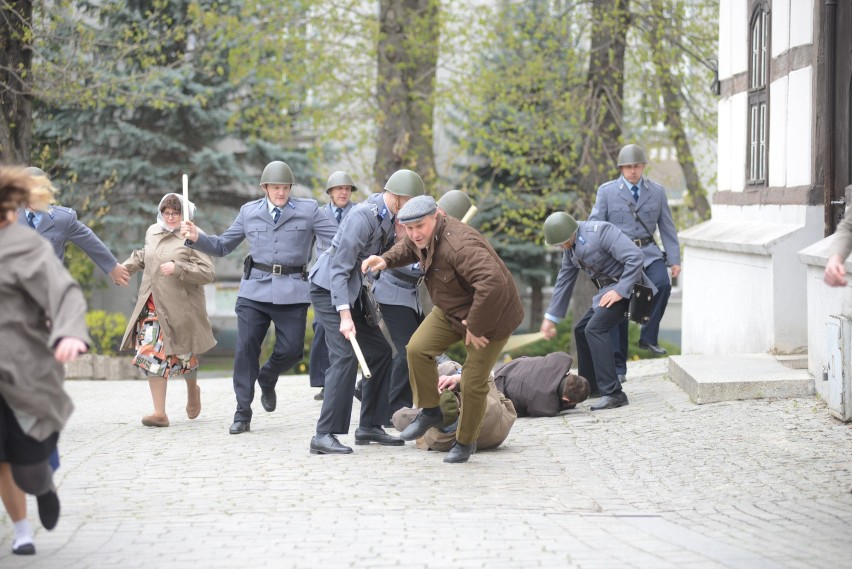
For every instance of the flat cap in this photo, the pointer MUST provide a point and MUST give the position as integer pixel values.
(416, 209)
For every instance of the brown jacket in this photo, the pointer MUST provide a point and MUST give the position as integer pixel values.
(179, 298)
(39, 305)
(465, 278)
(534, 384)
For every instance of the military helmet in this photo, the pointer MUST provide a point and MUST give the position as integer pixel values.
(559, 227)
(405, 183)
(455, 203)
(277, 172)
(339, 178)
(631, 154)
(34, 172)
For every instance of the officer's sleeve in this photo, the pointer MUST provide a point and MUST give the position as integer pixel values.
(221, 245)
(599, 211)
(353, 241)
(83, 237)
(324, 230)
(562, 290)
(668, 232)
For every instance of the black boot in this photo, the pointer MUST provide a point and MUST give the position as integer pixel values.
(460, 452)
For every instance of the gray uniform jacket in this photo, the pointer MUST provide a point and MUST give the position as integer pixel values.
(613, 205)
(60, 224)
(39, 305)
(286, 243)
(329, 208)
(394, 287)
(366, 230)
(607, 253)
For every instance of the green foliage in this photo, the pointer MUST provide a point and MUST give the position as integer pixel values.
(106, 330)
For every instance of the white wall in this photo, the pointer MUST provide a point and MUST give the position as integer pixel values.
(778, 132)
(733, 44)
(780, 16)
(799, 127)
(802, 22)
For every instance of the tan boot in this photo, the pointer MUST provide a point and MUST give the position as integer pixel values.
(193, 403)
(155, 421)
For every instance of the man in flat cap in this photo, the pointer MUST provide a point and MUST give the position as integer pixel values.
(466, 281)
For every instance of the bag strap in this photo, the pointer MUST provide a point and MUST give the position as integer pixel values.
(645, 227)
(586, 267)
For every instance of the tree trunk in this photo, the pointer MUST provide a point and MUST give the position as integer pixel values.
(16, 17)
(610, 20)
(407, 63)
(536, 303)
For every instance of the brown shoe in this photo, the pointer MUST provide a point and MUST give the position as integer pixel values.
(193, 404)
(155, 421)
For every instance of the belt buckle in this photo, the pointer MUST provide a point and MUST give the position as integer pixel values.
(276, 269)
(420, 281)
(637, 242)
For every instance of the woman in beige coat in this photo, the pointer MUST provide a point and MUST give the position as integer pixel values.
(169, 326)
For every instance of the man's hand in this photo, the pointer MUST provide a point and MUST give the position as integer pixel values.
(448, 382)
(67, 349)
(835, 272)
(548, 328)
(373, 263)
(609, 298)
(189, 230)
(167, 268)
(347, 325)
(478, 342)
(120, 275)
(675, 271)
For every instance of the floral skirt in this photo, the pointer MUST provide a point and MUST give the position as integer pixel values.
(150, 355)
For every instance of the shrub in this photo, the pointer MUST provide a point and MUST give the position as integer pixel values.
(106, 330)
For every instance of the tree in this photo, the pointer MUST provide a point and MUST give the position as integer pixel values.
(16, 17)
(405, 86)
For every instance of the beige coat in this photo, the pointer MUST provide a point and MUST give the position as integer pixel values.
(179, 298)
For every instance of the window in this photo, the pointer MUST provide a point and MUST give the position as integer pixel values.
(758, 118)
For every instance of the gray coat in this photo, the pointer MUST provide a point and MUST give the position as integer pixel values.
(394, 287)
(60, 225)
(329, 208)
(613, 205)
(36, 289)
(607, 252)
(287, 243)
(366, 230)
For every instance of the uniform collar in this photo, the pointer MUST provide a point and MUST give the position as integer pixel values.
(270, 206)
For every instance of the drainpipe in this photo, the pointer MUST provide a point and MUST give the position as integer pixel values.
(829, 178)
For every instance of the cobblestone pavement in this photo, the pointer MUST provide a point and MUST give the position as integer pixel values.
(660, 483)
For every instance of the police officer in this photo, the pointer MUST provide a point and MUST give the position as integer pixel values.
(614, 264)
(339, 188)
(281, 230)
(59, 225)
(638, 206)
(336, 284)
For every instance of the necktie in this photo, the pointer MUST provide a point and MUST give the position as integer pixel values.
(276, 214)
(30, 218)
(338, 215)
(635, 191)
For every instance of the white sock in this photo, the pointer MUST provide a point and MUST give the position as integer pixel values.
(23, 533)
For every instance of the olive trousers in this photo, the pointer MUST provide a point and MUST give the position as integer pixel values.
(434, 335)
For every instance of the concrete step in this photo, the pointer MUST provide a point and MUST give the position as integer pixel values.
(713, 378)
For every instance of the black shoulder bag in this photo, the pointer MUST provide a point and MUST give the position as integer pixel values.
(641, 298)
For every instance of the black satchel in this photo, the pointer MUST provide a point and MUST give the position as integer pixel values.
(641, 300)
(372, 312)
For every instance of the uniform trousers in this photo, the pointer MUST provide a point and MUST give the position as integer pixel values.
(431, 339)
(657, 273)
(340, 377)
(253, 320)
(594, 347)
(319, 356)
(401, 321)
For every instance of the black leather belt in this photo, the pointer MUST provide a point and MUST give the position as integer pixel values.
(282, 269)
(602, 282)
(643, 241)
(403, 277)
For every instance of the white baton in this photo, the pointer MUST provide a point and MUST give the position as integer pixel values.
(360, 355)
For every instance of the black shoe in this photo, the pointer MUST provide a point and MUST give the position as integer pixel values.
(268, 399)
(420, 425)
(240, 427)
(359, 387)
(25, 549)
(320, 396)
(622, 378)
(48, 509)
(618, 399)
(328, 444)
(367, 435)
(652, 347)
(460, 452)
